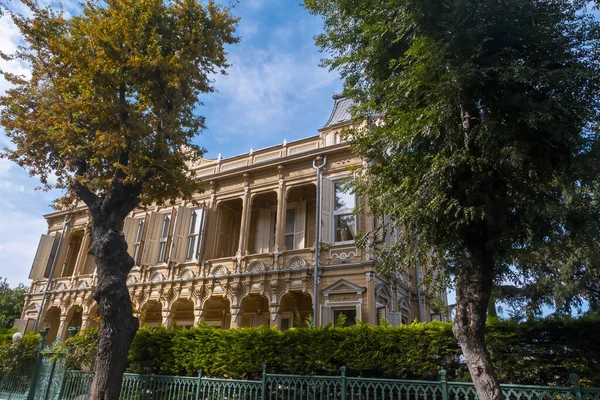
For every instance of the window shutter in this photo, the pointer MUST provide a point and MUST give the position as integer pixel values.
(61, 253)
(300, 225)
(394, 318)
(225, 231)
(379, 230)
(53, 253)
(201, 235)
(263, 231)
(150, 255)
(387, 229)
(381, 314)
(129, 231)
(90, 265)
(42, 257)
(180, 232)
(326, 210)
(326, 315)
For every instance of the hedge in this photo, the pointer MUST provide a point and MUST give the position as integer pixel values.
(540, 352)
(17, 357)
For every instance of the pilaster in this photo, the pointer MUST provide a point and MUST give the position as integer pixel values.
(371, 305)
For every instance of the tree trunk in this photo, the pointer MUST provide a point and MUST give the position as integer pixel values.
(473, 290)
(117, 323)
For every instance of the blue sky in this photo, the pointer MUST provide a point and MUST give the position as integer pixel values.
(275, 90)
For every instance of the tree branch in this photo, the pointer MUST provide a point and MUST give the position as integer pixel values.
(84, 193)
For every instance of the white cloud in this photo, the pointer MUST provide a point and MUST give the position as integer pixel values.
(19, 237)
(266, 91)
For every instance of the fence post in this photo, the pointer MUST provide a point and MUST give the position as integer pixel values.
(264, 382)
(38, 364)
(576, 388)
(343, 372)
(199, 387)
(444, 384)
(146, 383)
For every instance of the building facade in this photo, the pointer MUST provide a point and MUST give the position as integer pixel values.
(241, 254)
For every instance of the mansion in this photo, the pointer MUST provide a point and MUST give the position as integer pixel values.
(242, 254)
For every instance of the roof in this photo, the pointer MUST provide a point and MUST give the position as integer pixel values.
(340, 112)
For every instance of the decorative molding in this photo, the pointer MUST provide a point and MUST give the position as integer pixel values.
(296, 262)
(186, 274)
(131, 280)
(343, 253)
(256, 266)
(82, 285)
(156, 277)
(219, 270)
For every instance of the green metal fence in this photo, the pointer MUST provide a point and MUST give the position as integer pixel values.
(13, 387)
(77, 384)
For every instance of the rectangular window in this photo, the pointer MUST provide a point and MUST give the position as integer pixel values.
(344, 222)
(290, 218)
(164, 235)
(138, 239)
(194, 235)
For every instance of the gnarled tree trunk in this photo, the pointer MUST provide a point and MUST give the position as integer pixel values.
(473, 290)
(117, 323)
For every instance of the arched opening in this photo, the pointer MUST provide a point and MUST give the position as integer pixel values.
(261, 236)
(151, 315)
(217, 312)
(300, 216)
(182, 313)
(93, 319)
(52, 321)
(294, 310)
(228, 228)
(254, 311)
(74, 319)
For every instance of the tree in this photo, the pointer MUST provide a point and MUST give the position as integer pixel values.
(11, 303)
(480, 145)
(110, 110)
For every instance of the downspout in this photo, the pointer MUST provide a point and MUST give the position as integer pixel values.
(66, 223)
(317, 238)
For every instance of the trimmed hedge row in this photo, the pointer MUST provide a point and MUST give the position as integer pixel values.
(541, 352)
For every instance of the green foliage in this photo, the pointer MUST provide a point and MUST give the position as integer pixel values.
(11, 303)
(6, 334)
(486, 142)
(79, 351)
(17, 358)
(152, 351)
(539, 352)
(545, 352)
(113, 93)
(341, 320)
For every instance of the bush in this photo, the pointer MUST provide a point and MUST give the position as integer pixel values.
(17, 358)
(6, 334)
(539, 352)
(80, 350)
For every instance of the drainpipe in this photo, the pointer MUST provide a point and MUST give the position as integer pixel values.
(66, 223)
(317, 237)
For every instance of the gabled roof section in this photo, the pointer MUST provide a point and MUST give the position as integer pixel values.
(343, 286)
(340, 112)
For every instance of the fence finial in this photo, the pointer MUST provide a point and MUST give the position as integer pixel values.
(442, 374)
(343, 370)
